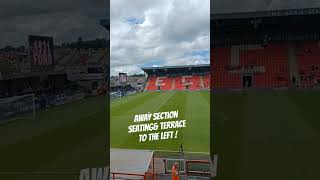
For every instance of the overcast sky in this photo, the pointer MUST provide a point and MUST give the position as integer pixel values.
(228, 6)
(148, 33)
(144, 32)
(65, 20)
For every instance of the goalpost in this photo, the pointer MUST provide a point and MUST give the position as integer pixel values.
(17, 106)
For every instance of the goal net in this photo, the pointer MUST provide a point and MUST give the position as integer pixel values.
(13, 107)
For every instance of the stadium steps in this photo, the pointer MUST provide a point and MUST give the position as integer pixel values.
(173, 84)
(147, 85)
(293, 67)
(234, 56)
(201, 82)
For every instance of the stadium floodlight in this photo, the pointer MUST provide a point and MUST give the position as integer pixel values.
(15, 106)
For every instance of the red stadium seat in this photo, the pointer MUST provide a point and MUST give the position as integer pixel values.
(191, 82)
(272, 58)
(309, 63)
(165, 83)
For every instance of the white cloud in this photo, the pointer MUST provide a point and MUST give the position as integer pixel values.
(231, 6)
(171, 32)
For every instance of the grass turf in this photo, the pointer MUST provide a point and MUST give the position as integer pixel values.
(65, 138)
(194, 106)
(266, 135)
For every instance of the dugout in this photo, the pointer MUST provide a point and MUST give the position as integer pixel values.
(131, 164)
(156, 165)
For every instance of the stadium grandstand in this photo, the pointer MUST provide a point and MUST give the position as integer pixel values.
(123, 84)
(167, 78)
(189, 77)
(265, 75)
(184, 88)
(46, 96)
(77, 69)
(272, 49)
(50, 87)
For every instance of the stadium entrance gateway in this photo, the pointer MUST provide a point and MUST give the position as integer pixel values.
(247, 80)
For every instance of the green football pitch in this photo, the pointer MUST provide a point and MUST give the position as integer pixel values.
(267, 135)
(61, 139)
(193, 106)
(257, 135)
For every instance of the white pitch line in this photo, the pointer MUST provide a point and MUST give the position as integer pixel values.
(163, 102)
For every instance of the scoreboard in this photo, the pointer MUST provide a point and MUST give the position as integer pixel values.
(41, 53)
(122, 77)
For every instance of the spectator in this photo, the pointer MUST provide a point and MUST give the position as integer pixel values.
(175, 171)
